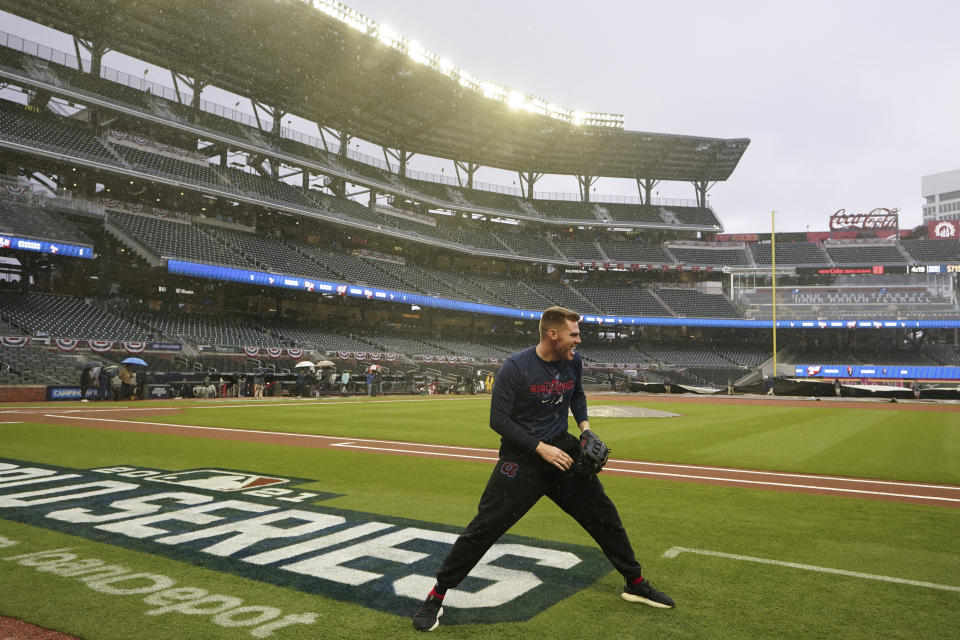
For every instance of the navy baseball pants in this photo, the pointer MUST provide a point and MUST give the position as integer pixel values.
(516, 484)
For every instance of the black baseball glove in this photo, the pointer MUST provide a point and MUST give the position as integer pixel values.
(593, 455)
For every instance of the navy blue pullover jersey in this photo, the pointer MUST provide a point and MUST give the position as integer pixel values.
(532, 398)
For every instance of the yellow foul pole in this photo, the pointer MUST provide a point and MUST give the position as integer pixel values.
(773, 288)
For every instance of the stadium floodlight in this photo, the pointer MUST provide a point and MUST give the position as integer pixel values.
(467, 81)
(493, 90)
(446, 66)
(387, 36)
(515, 99)
(419, 54)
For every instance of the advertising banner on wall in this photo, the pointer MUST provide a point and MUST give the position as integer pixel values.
(876, 372)
(69, 392)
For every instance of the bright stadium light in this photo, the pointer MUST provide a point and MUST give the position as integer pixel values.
(446, 65)
(387, 36)
(493, 90)
(515, 99)
(467, 81)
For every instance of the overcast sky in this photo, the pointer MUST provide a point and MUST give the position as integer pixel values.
(847, 104)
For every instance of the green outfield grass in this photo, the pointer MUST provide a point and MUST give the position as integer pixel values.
(717, 597)
(867, 441)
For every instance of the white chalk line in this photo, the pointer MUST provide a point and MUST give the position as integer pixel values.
(782, 474)
(262, 432)
(675, 551)
(788, 485)
(350, 445)
(492, 455)
(233, 404)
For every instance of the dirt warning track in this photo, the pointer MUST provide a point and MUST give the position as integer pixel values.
(132, 419)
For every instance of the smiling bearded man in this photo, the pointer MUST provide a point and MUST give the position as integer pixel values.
(532, 396)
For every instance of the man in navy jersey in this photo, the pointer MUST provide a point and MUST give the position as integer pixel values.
(532, 396)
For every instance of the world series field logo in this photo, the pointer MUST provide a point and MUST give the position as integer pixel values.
(264, 528)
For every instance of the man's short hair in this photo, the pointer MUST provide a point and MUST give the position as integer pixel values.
(555, 318)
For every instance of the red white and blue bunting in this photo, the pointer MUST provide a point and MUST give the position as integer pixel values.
(295, 352)
(66, 344)
(444, 359)
(15, 341)
(251, 351)
(274, 352)
(100, 346)
(135, 347)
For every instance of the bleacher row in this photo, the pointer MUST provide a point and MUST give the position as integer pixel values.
(695, 362)
(51, 316)
(47, 133)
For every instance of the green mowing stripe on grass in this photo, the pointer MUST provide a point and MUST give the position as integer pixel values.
(888, 444)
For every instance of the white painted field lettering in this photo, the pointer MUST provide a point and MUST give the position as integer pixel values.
(205, 605)
(7, 542)
(506, 584)
(115, 470)
(281, 494)
(301, 548)
(38, 479)
(80, 567)
(246, 616)
(161, 593)
(139, 473)
(129, 507)
(97, 488)
(265, 532)
(288, 620)
(329, 566)
(10, 473)
(153, 582)
(40, 558)
(140, 527)
(172, 596)
(509, 584)
(301, 497)
(253, 530)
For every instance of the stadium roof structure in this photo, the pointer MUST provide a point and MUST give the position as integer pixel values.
(297, 59)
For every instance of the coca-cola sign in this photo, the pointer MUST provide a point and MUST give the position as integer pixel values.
(879, 218)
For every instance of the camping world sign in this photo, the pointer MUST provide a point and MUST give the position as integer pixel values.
(264, 528)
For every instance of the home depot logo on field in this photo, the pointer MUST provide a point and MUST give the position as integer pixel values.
(262, 528)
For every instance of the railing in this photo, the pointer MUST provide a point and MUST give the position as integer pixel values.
(140, 83)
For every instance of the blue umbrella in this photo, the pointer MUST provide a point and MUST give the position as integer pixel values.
(134, 361)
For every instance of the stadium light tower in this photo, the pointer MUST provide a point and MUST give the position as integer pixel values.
(515, 99)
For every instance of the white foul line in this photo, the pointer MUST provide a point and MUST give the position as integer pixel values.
(350, 445)
(783, 474)
(675, 551)
(792, 485)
